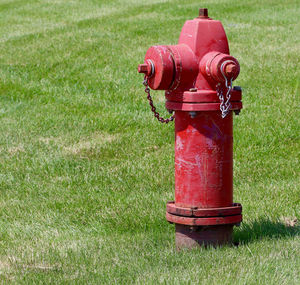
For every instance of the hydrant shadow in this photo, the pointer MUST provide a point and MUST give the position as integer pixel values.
(265, 228)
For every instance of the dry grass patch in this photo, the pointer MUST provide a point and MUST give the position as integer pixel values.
(16, 149)
(96, 140)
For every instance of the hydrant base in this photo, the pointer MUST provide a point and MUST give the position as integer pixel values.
(202, 236)
(202, 227)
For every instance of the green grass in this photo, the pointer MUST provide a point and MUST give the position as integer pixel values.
(85, 170)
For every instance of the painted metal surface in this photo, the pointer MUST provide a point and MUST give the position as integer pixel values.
(234, 209)
(179, 106)
(207, 221)
(203, 160)
(202, 96)
(193, 72)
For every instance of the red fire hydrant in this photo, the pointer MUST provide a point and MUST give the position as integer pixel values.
(197, 75)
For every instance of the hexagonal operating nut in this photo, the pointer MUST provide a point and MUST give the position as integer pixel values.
(146, 68)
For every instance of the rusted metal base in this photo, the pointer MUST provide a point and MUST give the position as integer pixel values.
(197, 227)
(198, 236)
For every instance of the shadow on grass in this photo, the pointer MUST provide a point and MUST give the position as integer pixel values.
(264, 228)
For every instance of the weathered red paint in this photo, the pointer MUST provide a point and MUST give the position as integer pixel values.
(206, 221)
(203, 160)
(203, 211)
(235, 209)
(201, 96)
(200, 106)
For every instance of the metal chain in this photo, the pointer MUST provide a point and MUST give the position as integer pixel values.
(153, 108)
(225, 101)
(224, 106)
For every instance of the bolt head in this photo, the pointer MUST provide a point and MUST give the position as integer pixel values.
(203, 13)
(237, 88)
(193, 114)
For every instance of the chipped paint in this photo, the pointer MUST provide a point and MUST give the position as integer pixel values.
(179, 143)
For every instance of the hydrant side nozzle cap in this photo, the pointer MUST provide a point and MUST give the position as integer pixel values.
(160, 67)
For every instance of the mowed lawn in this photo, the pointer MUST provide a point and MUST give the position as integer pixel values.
(86, 170)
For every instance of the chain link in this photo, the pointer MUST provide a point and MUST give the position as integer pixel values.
(153, 108)
(225, 101)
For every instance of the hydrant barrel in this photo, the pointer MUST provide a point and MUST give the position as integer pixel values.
(203, 160)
